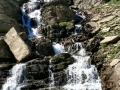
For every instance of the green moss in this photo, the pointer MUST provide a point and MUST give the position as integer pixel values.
(68, 25)
(62, 66)
(57, 59)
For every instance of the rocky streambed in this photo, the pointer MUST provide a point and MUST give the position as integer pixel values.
(42, 29)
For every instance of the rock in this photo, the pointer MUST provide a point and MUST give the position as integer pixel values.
(106, 19)
(105, 29)
(109, 39)
(5, 52)
(86, 4)
(61, 61)
(13, 12)
(55, 12)
(17, 46)
(95, 18)
(114, 62)
(93, 24)
(37, 73)
(96, 30)
(43, 46)
(7, 23)
(93, 43)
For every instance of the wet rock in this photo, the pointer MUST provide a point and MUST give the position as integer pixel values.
(37, 73)
(109, 39)
(43, 46)
(61, 61)
(17, 46)
(31, 6)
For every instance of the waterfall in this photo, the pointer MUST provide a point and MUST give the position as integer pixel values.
(81, 75)
(31, 13)
(17, 78)
(51, 75)
(58, 48)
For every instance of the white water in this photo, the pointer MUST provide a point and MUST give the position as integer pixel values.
(33, 14)
(81, 75)
(58, 48)
(51, 76)
(17, 78)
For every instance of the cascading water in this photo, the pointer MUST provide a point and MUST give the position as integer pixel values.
(58, 48)
(31, 13)
(17, 78)
(81, 75)
(51, 75)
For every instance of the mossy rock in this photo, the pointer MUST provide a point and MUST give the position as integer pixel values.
(61, 62)
(67, 25)
(60, 58)
(61, 66)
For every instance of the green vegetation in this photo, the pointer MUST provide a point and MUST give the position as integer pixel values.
(68, 25)
(114, 1)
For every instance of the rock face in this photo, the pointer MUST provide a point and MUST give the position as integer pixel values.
(6, 23)
(85, 4)
(39, 74)
(17, 46)
(5, 52)
(43, 46)
(9, 15)
(57, 11)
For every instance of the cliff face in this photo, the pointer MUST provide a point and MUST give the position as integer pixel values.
(10, 15)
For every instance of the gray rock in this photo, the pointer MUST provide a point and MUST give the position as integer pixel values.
(5, 52)
(109, 39)
(17, 46)
(56, 12)
(106, 19)
(85, 4)
(114, 62)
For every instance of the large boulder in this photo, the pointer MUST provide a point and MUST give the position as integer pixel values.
(6, 23)
(10, 8)
(59, 17)
(57, 11)
(10, 15)
(17, 45)
(86, 4)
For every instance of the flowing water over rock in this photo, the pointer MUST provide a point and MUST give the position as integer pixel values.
(81, 75)
(51, 75)
(32, 17)
(58, 48)
(17, 78)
